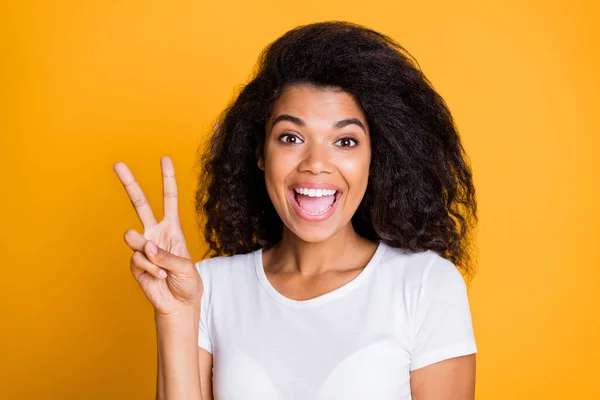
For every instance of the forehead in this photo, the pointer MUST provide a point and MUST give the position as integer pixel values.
(309, 101)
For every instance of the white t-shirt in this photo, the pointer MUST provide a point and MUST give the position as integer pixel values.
(402, 312)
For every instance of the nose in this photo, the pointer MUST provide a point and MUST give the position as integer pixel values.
(317, 159)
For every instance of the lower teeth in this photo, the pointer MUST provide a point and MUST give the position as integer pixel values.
(323, 212)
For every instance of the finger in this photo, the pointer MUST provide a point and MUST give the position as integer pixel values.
(140, 264)
(169, 188)
(164, 259)
(134, 239)
(136, 195)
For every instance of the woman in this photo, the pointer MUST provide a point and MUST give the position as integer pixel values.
(339, 204)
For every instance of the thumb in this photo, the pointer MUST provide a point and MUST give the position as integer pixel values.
(164, 259)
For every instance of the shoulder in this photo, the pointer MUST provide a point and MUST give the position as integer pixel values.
(222, 266)
(421, 268)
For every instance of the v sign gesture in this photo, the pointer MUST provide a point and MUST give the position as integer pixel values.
(168, 277)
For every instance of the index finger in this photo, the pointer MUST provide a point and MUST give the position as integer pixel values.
(136, 195)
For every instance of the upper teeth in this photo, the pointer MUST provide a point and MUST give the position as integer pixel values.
(315, 192)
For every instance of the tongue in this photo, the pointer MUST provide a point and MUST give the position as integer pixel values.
(315, 205)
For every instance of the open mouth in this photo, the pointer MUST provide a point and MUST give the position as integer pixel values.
(315, 202)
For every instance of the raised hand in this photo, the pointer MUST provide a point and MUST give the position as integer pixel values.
(168, 278)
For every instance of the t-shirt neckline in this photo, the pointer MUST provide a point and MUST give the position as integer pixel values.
(324, 298)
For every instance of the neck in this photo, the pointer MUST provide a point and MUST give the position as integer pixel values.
(339, 252)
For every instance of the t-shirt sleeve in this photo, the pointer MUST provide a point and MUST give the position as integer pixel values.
(204, 339)
(442, 322)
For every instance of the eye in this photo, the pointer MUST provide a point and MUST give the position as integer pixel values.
(290, 138)
(347, 142)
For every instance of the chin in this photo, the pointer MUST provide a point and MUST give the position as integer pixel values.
(314, 234)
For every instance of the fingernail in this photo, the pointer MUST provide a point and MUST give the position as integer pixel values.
(162, 273)
(152, 249)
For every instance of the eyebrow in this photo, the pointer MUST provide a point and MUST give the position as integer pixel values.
(337, 125)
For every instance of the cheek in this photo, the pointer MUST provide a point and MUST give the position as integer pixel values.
(278, 165)
(355, 170)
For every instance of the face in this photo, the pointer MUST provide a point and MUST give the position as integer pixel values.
(316, 160)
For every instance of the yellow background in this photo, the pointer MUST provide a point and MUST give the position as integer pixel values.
(86, 84)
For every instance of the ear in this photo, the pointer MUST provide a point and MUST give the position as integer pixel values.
(261, 160)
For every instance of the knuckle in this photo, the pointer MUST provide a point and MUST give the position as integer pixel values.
(128, 235)
(137, 258)
(191, 266)
(132, 264)
(139, 202)
(130, 183)
(164, 256)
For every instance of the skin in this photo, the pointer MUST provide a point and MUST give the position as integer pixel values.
(312, 258)
(184, 369)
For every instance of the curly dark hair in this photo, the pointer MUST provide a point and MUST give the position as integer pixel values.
(420, 193)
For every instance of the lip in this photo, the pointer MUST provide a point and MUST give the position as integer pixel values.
(308, 185)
